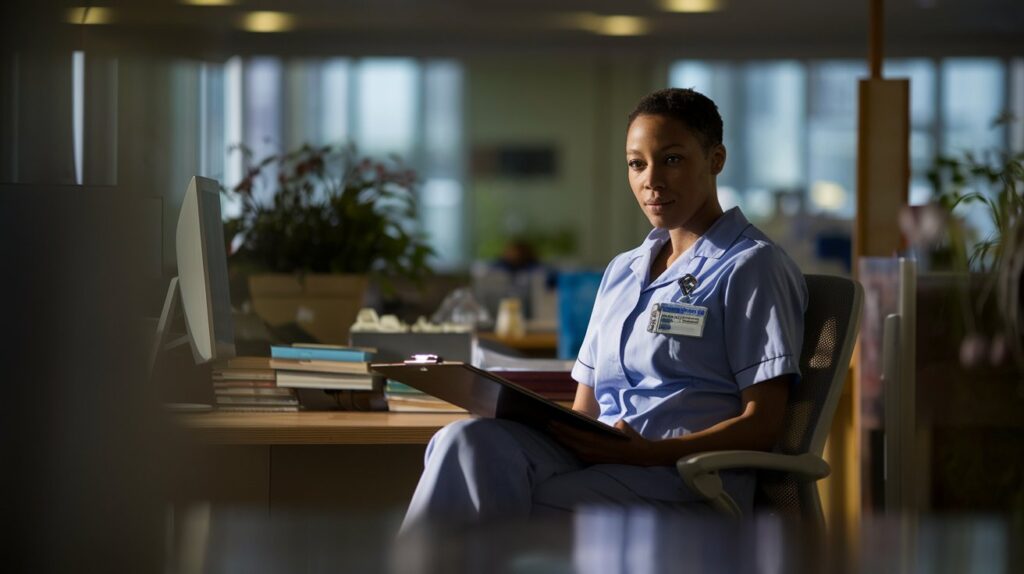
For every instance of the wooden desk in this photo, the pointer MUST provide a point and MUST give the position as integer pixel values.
(332, 461)
(317, 428)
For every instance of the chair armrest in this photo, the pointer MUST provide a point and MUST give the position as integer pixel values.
(700, 471)
(806, 465)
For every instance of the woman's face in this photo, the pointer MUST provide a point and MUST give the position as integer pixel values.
(672, 177)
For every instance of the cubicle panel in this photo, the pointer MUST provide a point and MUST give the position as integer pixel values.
(970, 432)
(349, 478)
(90, 225)
(78, 425)
(925, 415)
(880, 278)
(226, 476)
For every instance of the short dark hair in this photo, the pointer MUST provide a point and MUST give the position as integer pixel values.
(694, 109)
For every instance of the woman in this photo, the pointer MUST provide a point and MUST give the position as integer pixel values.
(692, 346)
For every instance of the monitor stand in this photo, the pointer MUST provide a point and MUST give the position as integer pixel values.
(162, 344)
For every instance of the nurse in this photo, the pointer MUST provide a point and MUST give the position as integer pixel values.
(692, 346)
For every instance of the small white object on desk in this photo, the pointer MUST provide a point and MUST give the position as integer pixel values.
(510, 324)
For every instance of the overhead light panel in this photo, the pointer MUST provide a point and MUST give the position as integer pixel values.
(611, 25)
(268, 22)
(691, 6)
(624, 26)
(209, 2)
(828, 195)
(92, 15)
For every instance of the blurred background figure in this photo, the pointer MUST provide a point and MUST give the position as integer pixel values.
(518, 273)
(518, 256)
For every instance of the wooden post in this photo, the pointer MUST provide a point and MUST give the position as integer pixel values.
(876, 37)
(883, 165)
(883, 176)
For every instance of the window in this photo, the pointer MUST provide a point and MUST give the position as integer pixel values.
(832, 136)
(762, 106)
(973, 92)
(386, 106)
(923, 121)
(793, 124)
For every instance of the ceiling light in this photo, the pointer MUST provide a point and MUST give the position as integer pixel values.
(691, 6)
(623, 26)
(91, 15)
(828, 195)
(607, 25)
(209, 2)
(268, 22)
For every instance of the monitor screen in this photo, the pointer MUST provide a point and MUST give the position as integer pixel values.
(203, 272)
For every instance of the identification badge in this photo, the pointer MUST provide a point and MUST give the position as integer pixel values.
(677, 319)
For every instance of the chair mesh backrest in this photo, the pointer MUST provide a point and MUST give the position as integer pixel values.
(832, 304)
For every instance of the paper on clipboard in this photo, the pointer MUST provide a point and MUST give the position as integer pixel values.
(487, 394)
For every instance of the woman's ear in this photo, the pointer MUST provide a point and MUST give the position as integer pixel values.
(717, 159)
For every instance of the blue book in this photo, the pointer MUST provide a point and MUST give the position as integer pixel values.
(346, 354)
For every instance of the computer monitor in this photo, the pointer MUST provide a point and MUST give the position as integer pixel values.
(202, 281)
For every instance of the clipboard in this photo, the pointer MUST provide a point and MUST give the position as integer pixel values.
(486, 394)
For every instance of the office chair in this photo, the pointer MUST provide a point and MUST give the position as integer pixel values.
(786, 477)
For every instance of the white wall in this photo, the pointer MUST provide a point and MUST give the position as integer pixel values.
(579, 105)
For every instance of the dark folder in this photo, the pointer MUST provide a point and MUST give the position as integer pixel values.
(488, 395)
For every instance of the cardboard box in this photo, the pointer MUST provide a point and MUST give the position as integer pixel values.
(324, 305)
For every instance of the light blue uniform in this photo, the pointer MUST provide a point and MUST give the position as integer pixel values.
(662, 385)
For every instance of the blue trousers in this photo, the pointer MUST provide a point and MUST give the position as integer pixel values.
(490, 469)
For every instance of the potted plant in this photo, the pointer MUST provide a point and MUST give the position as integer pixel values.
(314, 224)
(970, 353)
(993, 179)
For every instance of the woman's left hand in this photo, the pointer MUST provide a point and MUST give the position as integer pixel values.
(593, 448)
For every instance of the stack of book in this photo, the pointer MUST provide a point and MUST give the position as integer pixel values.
(325, 367)
(248, 384)
(405, 399)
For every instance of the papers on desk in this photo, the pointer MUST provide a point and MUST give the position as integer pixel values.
(549, 378)
(490, 360)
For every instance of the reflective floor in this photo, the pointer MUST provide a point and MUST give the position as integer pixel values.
(606, 540)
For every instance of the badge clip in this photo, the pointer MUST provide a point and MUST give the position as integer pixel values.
(687, 284)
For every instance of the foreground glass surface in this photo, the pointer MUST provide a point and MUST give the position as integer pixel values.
(609, 539)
